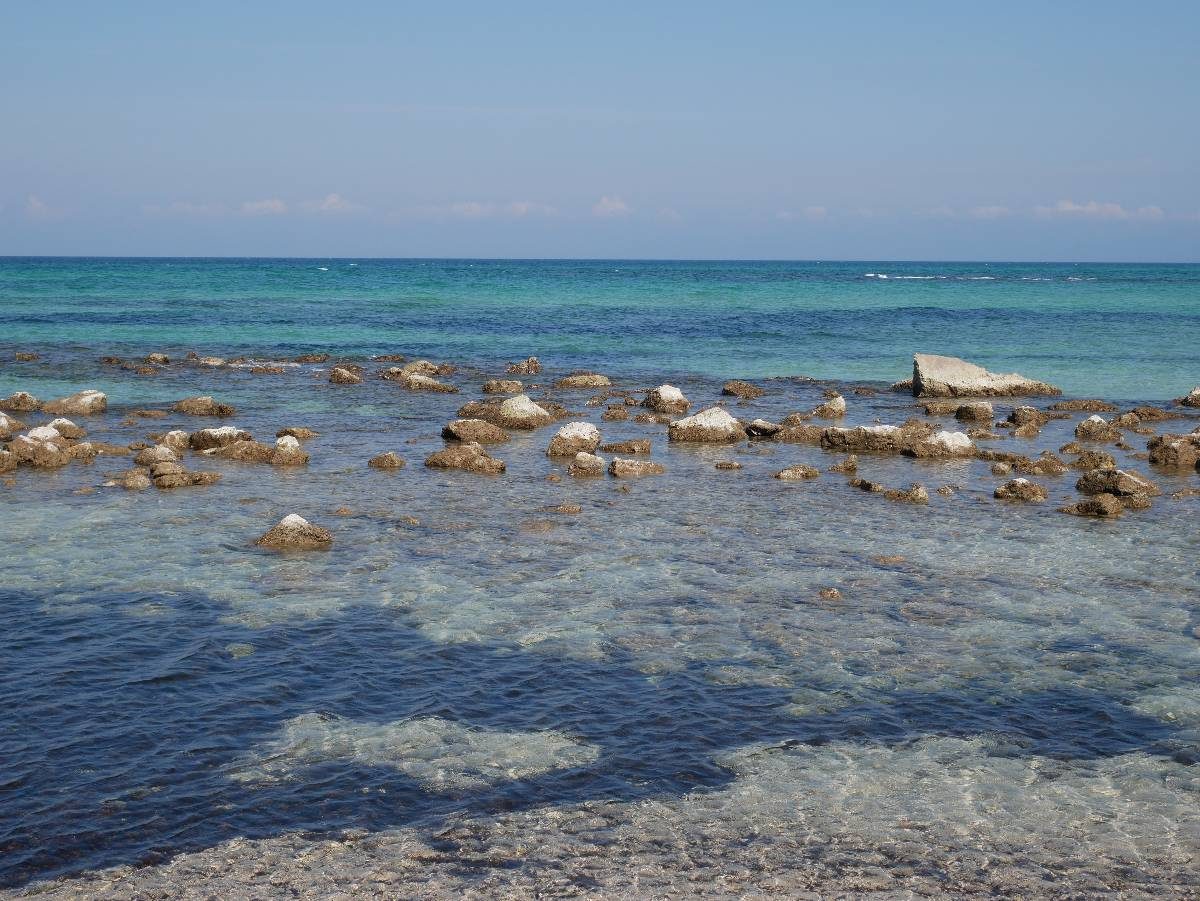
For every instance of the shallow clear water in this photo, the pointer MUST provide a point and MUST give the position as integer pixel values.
(1003, 698)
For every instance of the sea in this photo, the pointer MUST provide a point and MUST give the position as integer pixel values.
(705, 683)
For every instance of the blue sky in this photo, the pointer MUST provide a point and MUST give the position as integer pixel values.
(684, 130)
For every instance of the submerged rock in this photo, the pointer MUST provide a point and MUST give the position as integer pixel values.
(573, 438)
(848, 465)
(583, 380)
(634, 446)
(713, 424)
(341, 376)
(469, 456)
(503, 386)
(622, 468)
(158, 359)
(586, 464)
(203, 406)
(1021, 490)
(615, 413)
(82, 403)
(666, 399)
(743, 390)
(728, 465)
(477, 430)
(939, 376)
(388, 460)
(799, 472)
(1083, 405)
(311, 358)
(295, 533)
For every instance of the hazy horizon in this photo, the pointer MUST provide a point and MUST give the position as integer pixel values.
(680, 132)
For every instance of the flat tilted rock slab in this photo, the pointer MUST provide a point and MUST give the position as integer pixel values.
(936, 376)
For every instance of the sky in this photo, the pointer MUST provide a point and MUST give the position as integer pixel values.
(774, 130)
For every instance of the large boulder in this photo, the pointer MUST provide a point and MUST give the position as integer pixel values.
(203, 406)
(938, 376)
(467, 456)
(20, 402)
(713, 424)
(477, 430)
(583, 380)
(574, 438)
(295, 533)
(82, 403)
(666, 399)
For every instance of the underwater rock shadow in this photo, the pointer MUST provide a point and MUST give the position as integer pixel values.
(121, 733)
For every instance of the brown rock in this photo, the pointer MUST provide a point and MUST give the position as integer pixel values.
(311, 358)
(39, 454)
(1117, 482)
(1102, 505)
(615, 413)
(389, 358)
(1096, 428)
(635, 446)
(476, 430)
(1094, 459)
(502, 386)
(300, 433)
(1083, 405)
(586, 464)
(583, 380)
(20, 402)
(797, 473)
(206, 439)
(568, 509)
(467, 456)
(1021, 490)
(711, 425)
(342, 376)
(622, 468)
(666, 399)
(26, 356)
(574, 438)
(728, 465)
(529, 366)
(243, 451)
(1174, 450)
(743, 390)
(203, 406)
(388, 460)
(849, 465)
(800, 434)
(158, 359)
(295, 533)
(82, 403)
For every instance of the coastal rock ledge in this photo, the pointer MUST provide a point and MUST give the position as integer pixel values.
(937, 376)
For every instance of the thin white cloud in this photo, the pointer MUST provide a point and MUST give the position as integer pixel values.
(522, 208)
(270, 207)
(36, 208)
(609, 207)
(1096, 210)
(813, 213)
(332, 203)
(486, 209)
(184, 208)
(989, 212)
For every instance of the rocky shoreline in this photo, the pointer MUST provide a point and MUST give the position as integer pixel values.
(942, 388)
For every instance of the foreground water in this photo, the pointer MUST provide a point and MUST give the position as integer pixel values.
(471, 695)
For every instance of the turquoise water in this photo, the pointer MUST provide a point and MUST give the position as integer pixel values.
(1121, 331)
(472, 695)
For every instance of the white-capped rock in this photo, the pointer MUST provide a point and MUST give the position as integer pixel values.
(713, 424)
(938, 376)
(666, 399)
(573, 438)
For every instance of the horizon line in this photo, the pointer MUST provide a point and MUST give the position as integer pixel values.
(565, 259)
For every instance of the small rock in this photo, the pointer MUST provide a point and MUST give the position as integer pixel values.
(763, 428)
(848, 465)
(1102, 505)
(834, 408)
(206, 439)
(1021, 490)
(586, 464)
(469, 456)
(568, 509)
(583, 380)
(502, 386)
(713, 424)
(26, 356)
(634, 446)
(389, 460)
(157, 454)
(298, 432)
(666, 399)
(20, 402)
(136, 480)
(1192, 399)
(622, 468)
(341, 376)
(743, 390)
(520, 412)
(158, 359)
(529, 366)
(311, 358)
(1094, 459)
(203, 406)
(476, 430)
(288, 452)
(1117, 482)
(1001, 469)
(1096, 428)
(573, 438)
(829, 594)
(797, 473)
(615, 413)
(1083, 405)
(977, 411)
(728, 465)
(295, 533)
